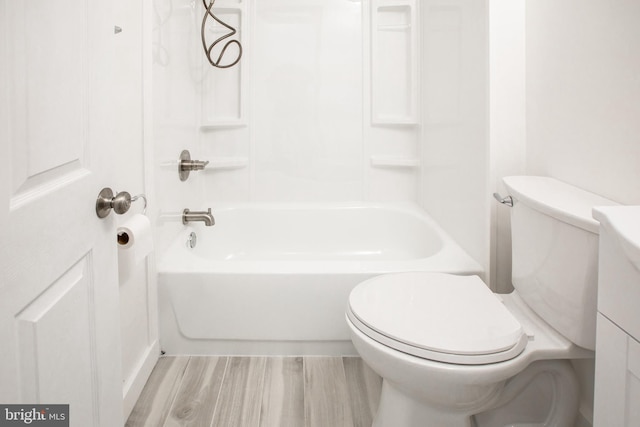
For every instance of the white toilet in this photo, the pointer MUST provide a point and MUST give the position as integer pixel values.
(451, 353)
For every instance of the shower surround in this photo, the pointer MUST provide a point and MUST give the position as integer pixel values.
(334, 102)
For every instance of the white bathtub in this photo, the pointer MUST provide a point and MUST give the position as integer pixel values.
(274, 279)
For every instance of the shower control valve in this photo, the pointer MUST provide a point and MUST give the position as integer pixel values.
(186, 165)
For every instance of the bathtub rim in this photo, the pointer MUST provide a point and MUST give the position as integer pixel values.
(451, 258)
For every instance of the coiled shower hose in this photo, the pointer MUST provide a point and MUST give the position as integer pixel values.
(209, 48)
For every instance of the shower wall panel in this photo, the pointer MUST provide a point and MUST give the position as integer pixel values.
(307, 100)
(455, 108)
(295, 120)
(392, 98)
(332, 100)
(176, 84)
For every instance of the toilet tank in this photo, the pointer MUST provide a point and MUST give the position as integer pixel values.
(555, 253)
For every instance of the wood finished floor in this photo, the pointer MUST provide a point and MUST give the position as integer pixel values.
(258, 392)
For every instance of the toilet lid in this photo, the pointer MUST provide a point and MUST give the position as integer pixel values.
(455, 319)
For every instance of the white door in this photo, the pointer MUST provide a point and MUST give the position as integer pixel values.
(59, 315)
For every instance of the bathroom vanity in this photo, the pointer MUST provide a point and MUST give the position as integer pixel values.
(617, 377)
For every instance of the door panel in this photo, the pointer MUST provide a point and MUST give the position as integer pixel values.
(49, 64)
(59, 315)
(56, 342)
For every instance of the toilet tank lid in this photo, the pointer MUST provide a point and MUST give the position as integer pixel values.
(557, 199)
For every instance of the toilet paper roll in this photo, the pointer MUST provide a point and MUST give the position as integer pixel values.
(135, 242)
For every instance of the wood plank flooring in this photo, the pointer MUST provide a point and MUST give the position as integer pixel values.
(258, 392)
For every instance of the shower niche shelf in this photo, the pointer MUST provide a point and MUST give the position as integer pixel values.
(228, 163)
(394, 62)
(395, 162)
(223, 97)
(208, 127)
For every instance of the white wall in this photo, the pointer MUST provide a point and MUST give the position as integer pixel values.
(583, 92)
(507, 124)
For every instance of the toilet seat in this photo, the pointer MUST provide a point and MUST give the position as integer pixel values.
(437, 316)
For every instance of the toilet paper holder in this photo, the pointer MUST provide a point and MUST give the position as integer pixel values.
(120, 203)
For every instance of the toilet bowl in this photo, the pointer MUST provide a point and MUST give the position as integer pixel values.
(435, 373)
(453, 354)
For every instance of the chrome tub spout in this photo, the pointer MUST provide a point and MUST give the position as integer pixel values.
(192, 216)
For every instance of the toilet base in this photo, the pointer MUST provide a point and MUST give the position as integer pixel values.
(554, 379)
(499, 406)
(399, 409)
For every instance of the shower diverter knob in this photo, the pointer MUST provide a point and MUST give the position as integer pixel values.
(186, 165)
